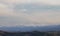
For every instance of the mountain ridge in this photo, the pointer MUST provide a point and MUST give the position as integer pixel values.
(31, 28)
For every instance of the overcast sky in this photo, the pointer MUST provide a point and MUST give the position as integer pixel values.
(29, 12)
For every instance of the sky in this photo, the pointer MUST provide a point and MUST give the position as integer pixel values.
(29, 12)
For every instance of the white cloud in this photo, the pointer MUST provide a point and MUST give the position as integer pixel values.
(48, 2)
(16, 1)
(47, 17)
(35, 18)
(3, 6)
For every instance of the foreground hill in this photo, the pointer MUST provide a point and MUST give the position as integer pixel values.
(33, 33)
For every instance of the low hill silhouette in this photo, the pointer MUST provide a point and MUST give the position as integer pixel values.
(33, 33)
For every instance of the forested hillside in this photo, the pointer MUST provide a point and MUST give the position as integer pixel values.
(33, 33)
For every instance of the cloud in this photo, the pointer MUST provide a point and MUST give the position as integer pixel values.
(46, 17)
(48, 2)
(3, 5)
(15, 1)
(30, 14)
(6, 10)
(34, 19)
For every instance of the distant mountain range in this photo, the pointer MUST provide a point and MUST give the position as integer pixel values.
(31, 28)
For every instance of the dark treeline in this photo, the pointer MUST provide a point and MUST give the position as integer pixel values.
(33, 33)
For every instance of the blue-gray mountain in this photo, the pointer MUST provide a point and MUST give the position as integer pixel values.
(31, 28)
